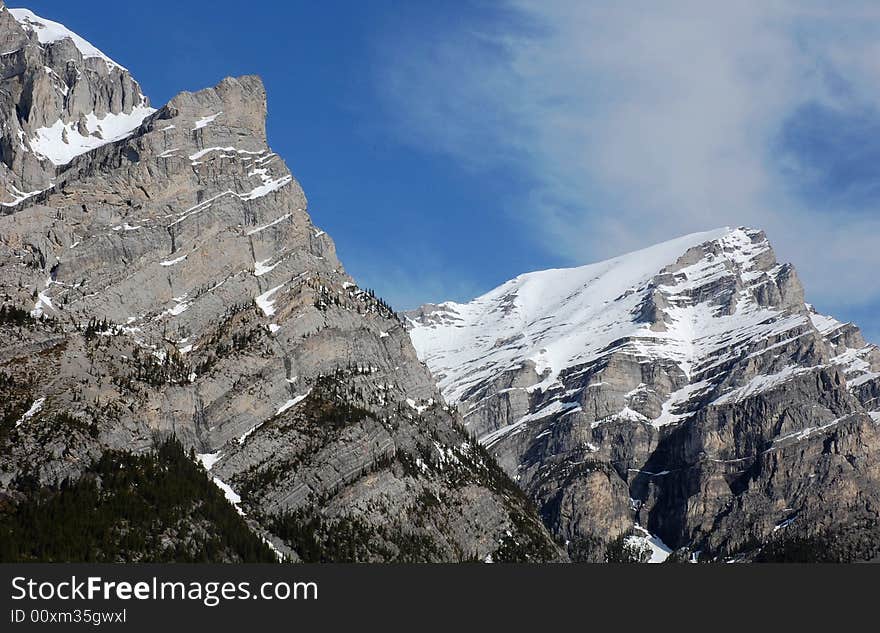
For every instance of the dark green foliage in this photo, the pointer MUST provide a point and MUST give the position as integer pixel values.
(261, 477)
(94, 327)
(157, 507)
(317, 420)
(349, 539)
(235, 333)
(682, 555)
(13, 315)
(329, 405)
(384, 308)
(328, 408)
(377, 304)
(490, 475)
(149, 369)
(528, 544)
(587, 549)
(847, 544)
(67, 424)
(15, 399)
(361, 301)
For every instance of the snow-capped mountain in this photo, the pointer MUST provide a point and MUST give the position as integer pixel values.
(61, 97)
(162, 277)
(670, 375)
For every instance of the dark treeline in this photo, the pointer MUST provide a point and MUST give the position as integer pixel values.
(14, 315)
(158, 507)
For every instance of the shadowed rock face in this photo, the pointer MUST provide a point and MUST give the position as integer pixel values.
(686, 388)
(172, 282)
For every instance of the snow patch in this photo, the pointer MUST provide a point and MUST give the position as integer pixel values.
(49, 31)
(659, 550)
(246, 434)
(761, 383)
(784, 524)
(230, 494)
(208, 459)
(34, 410)
(420, 408)
(205, 120)
(171, 262)
(19, 196)
(262, 267)
(62, 142)
(265, 302)
(43, 302)
(266, 188)
(272, 223)
(292, 402)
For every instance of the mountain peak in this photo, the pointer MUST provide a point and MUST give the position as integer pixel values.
(668, 301)
(171, 266)
(61, 97)
(608, 389)
(237, 104)
(49, 31)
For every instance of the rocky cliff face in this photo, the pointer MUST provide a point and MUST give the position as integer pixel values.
(59, 97)
(167, 279)
(686, 389)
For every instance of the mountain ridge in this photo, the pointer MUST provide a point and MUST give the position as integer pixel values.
(164, 291)
(611, 361)
(61, 97)
(170, 283)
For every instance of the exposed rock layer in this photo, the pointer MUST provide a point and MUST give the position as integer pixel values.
(172, 282)
(686, 388)
(58, 97)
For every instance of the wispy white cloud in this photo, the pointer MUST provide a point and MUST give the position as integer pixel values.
(636, 122)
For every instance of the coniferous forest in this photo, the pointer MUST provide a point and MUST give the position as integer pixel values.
(157, 507)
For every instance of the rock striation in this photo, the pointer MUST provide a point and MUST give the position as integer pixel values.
(686, 389)
(167, 280)
(59, 97)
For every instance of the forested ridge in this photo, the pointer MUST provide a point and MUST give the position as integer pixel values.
(158, 506)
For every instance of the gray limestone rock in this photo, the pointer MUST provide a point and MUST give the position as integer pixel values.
(686, 389)
(173, 282)
(57, 98)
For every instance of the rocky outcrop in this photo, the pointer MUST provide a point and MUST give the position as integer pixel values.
(171, 282)
(686, 389)
(59, 97)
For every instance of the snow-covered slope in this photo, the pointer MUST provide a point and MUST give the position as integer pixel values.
(48, 31)
(554, 318)
(695, 300)
(62, 142)
(62, 97)
(604, 389)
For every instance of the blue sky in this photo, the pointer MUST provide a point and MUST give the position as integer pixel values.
(449, 146)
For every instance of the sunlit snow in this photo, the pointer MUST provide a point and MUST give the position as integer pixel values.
(35, 408)
(564, 318)
(62, 142)
(265, 302)
(292, 403)
(49, 31)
